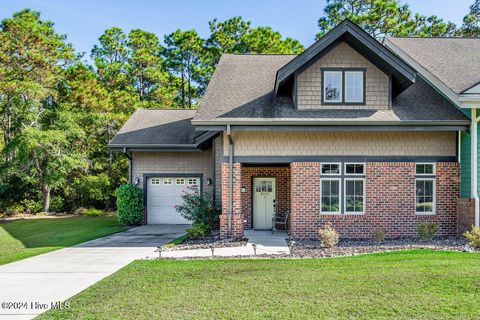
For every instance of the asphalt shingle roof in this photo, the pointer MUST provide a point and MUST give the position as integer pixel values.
(242, 89)
(158, 127)
(454, 61)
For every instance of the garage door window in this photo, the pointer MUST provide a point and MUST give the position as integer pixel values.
(180, 181)
(155, 181)
(193, 182)
(167, 181)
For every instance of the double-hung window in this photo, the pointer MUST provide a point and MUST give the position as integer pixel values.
(425, 188)
(342, 188)
(343, 86)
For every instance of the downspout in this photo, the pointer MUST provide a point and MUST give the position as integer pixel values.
(230, 180)
(129, 157)
(473, 164)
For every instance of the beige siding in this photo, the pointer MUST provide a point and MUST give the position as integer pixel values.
(344, 144)
(309, 87)
(173, 162)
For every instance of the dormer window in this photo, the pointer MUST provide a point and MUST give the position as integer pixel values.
(343, 86)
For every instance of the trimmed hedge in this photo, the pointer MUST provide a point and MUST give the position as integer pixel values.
(129, 204)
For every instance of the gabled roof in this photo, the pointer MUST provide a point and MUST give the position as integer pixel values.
(453, 61)
(160, 129)
(403, 75)
(241, 92)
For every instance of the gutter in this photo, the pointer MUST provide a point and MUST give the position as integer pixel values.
(230, 180)
(277, 122)
(130, 169)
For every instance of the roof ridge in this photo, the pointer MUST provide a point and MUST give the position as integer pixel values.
(437, 37)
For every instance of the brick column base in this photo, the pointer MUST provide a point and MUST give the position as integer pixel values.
(237, 226)
(465, 215)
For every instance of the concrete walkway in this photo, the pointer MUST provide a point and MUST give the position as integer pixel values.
(56, 276)
(265, 241)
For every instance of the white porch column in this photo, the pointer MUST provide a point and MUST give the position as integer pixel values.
(473, 164)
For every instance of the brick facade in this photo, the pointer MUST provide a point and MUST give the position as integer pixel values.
(282, 175)
(237, 215)
(390, 202)
(466, 215)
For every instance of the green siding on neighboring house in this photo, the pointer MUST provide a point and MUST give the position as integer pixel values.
(465, 157)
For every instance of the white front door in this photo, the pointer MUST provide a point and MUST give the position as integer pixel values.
(264, 195)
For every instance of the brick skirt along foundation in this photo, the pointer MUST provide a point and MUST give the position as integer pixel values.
(466, 215)
(389, 202)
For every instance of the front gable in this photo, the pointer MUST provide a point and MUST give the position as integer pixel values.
(309, 93)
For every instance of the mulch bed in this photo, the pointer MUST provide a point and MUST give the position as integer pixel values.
(207, 243)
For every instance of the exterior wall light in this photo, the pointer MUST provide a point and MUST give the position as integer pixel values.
(209, 181)
(136, 181)
(244, 189)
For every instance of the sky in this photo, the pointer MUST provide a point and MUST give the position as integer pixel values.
(83, 21)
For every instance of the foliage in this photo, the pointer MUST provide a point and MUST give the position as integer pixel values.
(198, 208)
(471, 22)
(129, 204)
(474, 237)
(92, 212)
(199, 230)
(329, 237)
(427, 230)
(383, 18)
(378, 235)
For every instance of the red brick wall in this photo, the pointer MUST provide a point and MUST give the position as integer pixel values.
(237, 221)
(466, 215)
(390, 202)
(283, 189)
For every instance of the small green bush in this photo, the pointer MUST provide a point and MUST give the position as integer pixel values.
(198, 231)
(93, 212)
(129, 204)
(427, 230)
(197, 208)
(378, 235)
(57, 204)
(31, 206)
(329, 236)
(473, 236)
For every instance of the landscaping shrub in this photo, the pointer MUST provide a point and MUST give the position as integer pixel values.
(474, 237)
(378, 235)
(199, 230)
(427, 230)
(197, 208)
(329, 236)
(129, 204)
(93, 212)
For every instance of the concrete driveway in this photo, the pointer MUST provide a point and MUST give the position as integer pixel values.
(35, 283)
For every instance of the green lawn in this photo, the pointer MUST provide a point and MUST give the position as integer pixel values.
(25, 238)
(401, 285)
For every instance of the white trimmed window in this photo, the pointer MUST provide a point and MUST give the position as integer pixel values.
(355, 168)
(167, 181)
(354, 195)
(331, 168)
(425, 188)
(330, 195)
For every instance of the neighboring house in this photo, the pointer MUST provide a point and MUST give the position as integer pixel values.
(351, 132)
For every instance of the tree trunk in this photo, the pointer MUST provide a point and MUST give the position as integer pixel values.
(189, 87)
(183, 88)
(46, 198)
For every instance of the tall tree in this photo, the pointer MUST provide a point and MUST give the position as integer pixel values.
(184, 51)
(471, 22)
(382, 18)
(32, 57)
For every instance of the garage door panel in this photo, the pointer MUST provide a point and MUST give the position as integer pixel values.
(163, 194)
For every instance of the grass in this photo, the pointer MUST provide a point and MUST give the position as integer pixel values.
(26, 238)
(177, 241)
(417, 284)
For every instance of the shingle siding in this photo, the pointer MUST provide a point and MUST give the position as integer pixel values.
(309, 86)
(173, 162)
(344, 144)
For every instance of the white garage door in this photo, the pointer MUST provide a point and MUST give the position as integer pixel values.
(163, 194)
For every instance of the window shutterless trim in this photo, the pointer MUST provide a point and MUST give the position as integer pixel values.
(434, 197)
(331, 174)
(434, 170)
(345, 173)
(339, 195)
(342, 70)
(345, 195)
